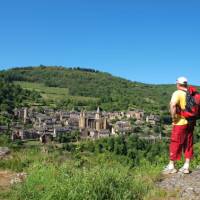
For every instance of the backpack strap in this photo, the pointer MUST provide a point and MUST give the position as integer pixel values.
(190, 101)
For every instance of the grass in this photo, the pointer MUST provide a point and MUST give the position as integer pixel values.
(57, 174)
(52, 93)
(48, 93)
(48, 180)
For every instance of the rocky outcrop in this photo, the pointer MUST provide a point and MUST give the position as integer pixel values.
(4, 151)
(187, 186)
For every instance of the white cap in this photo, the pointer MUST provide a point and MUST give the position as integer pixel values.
(181, 80)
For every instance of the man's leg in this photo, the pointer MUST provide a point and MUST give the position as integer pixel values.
(177, 140)
(175, 148)
(188, 145)
(188, 149)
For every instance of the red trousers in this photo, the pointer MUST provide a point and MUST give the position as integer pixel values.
(181, 141)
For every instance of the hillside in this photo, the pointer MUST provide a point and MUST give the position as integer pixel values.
(123, 167)
(88, 88)
(12, 96)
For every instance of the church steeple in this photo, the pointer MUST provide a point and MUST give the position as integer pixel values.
(98, 114)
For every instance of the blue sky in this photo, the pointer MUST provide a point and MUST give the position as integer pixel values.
(151, 41)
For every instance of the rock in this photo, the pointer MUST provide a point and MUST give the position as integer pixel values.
(19, 178)
(186, 185)
(15, 180)
(4, 151)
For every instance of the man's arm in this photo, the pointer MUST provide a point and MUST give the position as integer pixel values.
(173, 105)
(173, 110)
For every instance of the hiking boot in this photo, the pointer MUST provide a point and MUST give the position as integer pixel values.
(184, 170)
(168, 170)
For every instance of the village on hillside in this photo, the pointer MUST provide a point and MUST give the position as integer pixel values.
(48, 124)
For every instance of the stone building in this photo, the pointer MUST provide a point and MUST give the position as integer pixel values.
(22, 114)
(94, 121)
(122, 127)
(136, 114)
(46, 138)
(24, 134)
(153, 119)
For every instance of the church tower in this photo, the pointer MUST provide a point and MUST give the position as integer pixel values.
(82, 120)
(105, 123)
(25, 115)
(98, 119)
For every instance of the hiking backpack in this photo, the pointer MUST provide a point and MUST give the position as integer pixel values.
(192, 108)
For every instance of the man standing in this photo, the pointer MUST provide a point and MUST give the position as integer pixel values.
(180, 136)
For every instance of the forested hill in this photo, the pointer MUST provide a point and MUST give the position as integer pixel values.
(111, 93)
(12, 96)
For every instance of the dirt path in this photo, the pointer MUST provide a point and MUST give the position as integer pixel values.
(5, 178)
(8, 178)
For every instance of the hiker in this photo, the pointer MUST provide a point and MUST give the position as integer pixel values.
(182, 130)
